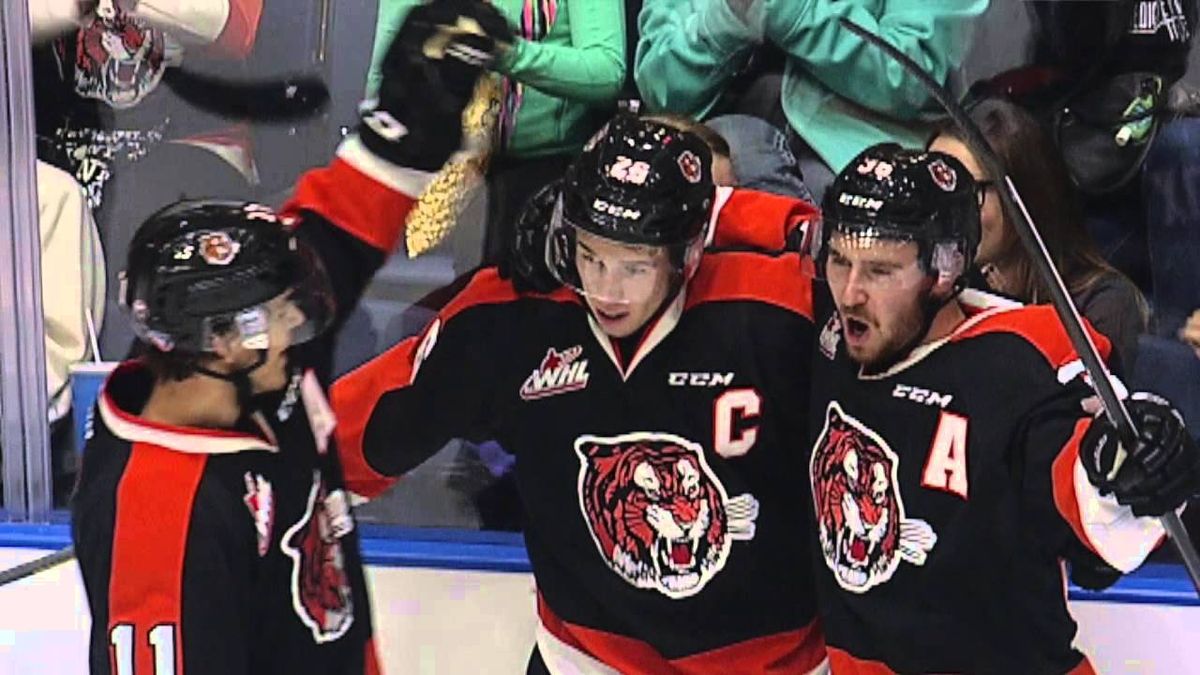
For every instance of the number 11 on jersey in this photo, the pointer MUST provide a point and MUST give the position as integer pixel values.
(161, 639)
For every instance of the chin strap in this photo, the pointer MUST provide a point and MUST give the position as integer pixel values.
(240, 379)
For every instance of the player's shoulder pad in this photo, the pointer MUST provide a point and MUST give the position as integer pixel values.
(1037, 325)
(781, 279)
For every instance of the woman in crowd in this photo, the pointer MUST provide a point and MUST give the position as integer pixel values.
(1107, 298)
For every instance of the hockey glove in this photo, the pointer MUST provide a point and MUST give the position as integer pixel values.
(526, 260)
(1159, 474)
(429, 74)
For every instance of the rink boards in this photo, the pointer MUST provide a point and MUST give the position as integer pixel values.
(462, 602)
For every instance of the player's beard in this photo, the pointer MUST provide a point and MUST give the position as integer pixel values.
(891, 343)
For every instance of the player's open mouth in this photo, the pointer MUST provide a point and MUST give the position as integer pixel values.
(612, 315)
(856, 329)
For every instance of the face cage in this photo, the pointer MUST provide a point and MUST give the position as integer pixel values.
(618, 286)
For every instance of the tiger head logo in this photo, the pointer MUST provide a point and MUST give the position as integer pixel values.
(321, 593)
(119, 59)
(860, 514)
(658, 515)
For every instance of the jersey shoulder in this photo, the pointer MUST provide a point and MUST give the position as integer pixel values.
(1036, 325)
(782, 280)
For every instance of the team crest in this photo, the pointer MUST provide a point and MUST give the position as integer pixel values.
(690, 166)
(943, 176)
(119, 59)
(558, 373)
(860, 513)
(218, 248)
(831, 337)
(658, 515)
(260, 499)
(321, 594)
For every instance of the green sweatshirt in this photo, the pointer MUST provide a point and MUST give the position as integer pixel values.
(840, 93)
(575, 70)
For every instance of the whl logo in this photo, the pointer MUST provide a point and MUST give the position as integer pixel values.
(559, 373)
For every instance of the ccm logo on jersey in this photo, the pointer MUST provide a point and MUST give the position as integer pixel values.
(919, 395)
(558, 373)
(700, 379)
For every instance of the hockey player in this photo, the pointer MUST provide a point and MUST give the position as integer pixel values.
(954, 466)
(210, 521)
(653, 404)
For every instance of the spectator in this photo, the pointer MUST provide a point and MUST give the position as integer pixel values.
(563, 73)
(102, 114)
(73, 286)
(839, 94)
(1144, 222)
(1104, 296)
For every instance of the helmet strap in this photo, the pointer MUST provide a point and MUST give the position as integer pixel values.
(240, 379)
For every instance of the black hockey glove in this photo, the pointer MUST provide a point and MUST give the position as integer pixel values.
(1160, 473)
(429, 75)
(525, 263)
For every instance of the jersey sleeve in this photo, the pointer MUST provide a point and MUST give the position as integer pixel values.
(401, 407)
(353, 213)
(1069, 514)
(170, 601)
(753, 219)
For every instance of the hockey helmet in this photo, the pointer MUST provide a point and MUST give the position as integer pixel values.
(202, 268)
(639, 183)
(891, 194)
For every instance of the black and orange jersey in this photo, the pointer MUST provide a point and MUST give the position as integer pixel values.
(948, 492)
(235, 551)
(663, 486)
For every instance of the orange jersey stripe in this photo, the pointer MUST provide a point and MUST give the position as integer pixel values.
(1041, 327)
(1063, 472)
(153, 514)
(760, 219)
(355, 202)
(776, 280)
(793, 652)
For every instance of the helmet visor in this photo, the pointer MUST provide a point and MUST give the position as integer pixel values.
(870, 259)
(303, 311)
(612, 272)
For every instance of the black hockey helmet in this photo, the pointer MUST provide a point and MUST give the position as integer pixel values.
(637, 182)
(201, 268)
(890, 193)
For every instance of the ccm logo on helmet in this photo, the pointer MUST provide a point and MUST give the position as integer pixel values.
(860, 202)
(615, 210)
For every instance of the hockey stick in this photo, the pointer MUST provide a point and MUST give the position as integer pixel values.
(36, 565)
(1014, 207)
(290, 98)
